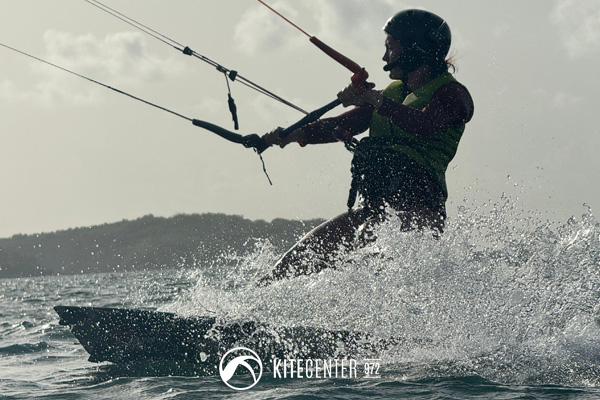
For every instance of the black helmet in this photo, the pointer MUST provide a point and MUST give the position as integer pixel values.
(425, 37)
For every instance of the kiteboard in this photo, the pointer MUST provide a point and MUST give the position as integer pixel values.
(196, 344)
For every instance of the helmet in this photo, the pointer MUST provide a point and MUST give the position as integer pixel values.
(425, 37)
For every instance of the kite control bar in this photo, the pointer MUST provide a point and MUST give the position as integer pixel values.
(253, 140)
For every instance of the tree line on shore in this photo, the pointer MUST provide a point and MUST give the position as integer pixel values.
(146, 243)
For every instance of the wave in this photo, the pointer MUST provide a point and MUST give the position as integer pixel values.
(24, 348)
(502, 295)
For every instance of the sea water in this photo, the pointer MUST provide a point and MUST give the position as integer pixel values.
(504, 305)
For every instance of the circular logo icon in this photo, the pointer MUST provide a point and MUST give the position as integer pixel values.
(242, 357)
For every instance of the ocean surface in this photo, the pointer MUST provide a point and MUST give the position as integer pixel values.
(502, 306)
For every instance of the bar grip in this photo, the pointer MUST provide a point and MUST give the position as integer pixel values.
(337, 56)
(252, 140)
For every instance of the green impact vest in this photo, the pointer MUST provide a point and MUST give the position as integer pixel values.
(435, 152)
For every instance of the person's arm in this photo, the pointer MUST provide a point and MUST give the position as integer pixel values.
(354, 121)
(451, 106)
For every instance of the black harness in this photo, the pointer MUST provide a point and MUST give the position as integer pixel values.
(377, 170)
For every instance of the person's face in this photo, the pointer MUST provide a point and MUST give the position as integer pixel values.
(393, 50)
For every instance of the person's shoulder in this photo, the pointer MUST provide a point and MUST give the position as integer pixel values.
(458, 93)
(454, 87)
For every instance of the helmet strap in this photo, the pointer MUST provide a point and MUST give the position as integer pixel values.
(405, 88)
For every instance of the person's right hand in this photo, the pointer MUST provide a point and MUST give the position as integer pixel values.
(272, 138)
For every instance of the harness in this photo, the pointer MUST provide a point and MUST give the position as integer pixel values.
(379, 172)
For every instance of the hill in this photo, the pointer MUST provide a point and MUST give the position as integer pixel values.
(145, 243)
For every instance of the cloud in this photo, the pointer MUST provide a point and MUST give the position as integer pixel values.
(564, 100)
(578, 23)
(119, 59)
(123, 56)
(262, 31)
(356, 20)
(349, 21)
(267, 112)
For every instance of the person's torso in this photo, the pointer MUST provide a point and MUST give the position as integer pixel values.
(434, 152)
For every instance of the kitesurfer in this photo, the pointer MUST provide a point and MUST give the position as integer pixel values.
(415, 125)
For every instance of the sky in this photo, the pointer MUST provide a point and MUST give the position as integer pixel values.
(75, 154)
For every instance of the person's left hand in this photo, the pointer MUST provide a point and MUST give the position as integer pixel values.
(273, 138)
(351, 96)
